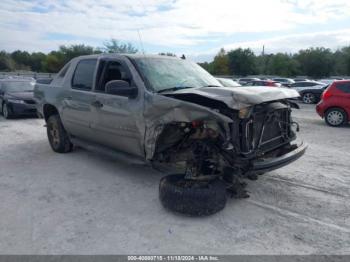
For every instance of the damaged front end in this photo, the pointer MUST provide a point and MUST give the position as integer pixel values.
(206, 137)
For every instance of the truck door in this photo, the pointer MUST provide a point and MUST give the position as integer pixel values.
(118, 117)
(77, 115)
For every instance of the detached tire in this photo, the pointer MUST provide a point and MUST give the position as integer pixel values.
(192, 198)
(57, 135)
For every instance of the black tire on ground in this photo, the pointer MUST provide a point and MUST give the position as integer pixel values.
(192, 198)
(336, 117)
(6, 111)
(308, 98)
(57, 135)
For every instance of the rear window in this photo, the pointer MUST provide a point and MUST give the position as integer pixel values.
(84, 74)
(344, 86)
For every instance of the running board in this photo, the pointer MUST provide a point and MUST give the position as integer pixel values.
(125, 157)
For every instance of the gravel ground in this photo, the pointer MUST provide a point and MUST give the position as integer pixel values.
(86, 203)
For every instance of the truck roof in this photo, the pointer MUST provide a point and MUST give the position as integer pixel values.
(116, 55)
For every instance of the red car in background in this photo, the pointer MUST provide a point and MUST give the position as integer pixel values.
(334, 106)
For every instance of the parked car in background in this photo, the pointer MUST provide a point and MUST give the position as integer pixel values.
(301, 79)
(17, 97)
(327, 81)
(284, 81)
(299, 86)
(47, 80)
(265, 83)
(312, 95)
(247, 80)
(334, 106)
(227, 82)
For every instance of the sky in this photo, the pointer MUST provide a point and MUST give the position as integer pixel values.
(196, 28)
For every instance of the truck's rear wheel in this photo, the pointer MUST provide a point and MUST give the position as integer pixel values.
(57, 135)
(194, 198)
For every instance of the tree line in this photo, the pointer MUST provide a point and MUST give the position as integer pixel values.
(55, 60)
(313, 62)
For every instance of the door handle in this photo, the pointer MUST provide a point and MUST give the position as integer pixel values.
(97, 104)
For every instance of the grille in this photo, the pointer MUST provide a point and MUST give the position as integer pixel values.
(265, 131)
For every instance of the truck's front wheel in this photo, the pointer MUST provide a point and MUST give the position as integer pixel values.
(189, 197)
(57, 135)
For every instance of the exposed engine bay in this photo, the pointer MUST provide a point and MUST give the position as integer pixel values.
(207, 149)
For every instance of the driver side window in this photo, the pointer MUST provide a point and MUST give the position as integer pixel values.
(111, 70)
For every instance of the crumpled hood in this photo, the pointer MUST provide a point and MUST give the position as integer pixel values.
(240, 97)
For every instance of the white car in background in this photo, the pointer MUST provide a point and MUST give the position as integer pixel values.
(227, 82)
(327, 81)
(284, 81)
(247, 80)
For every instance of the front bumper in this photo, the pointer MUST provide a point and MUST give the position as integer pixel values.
(269, 164)
(22, 109)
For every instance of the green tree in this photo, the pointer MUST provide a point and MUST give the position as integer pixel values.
(207, 66)
(316, 62)
(220, 65)
(6, 62)
(21, 58)
(242, 62)
(36, 61)
(341, 60)
(53, 62)
(115, 46)
(72, 51)
(282, 65)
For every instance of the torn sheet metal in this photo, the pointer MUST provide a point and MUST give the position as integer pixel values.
(240, 97)
(161, 110)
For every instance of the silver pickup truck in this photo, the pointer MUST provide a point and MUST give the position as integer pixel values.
(172, 114)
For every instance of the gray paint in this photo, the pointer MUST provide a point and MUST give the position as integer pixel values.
(132, 125)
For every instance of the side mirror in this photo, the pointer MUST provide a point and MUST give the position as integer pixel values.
(120, 88)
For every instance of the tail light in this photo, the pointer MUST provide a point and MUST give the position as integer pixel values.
(326, 94)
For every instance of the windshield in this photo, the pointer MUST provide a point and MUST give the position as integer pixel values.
(168, 73)
(18, 86)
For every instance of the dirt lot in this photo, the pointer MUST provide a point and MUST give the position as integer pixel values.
(86, 203)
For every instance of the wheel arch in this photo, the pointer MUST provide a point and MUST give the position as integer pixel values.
(337, 107)
(49, 110)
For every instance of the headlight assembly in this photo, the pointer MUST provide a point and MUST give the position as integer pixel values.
(244, 112)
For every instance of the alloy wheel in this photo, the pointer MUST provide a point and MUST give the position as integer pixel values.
(335, 118)
(308, 98)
